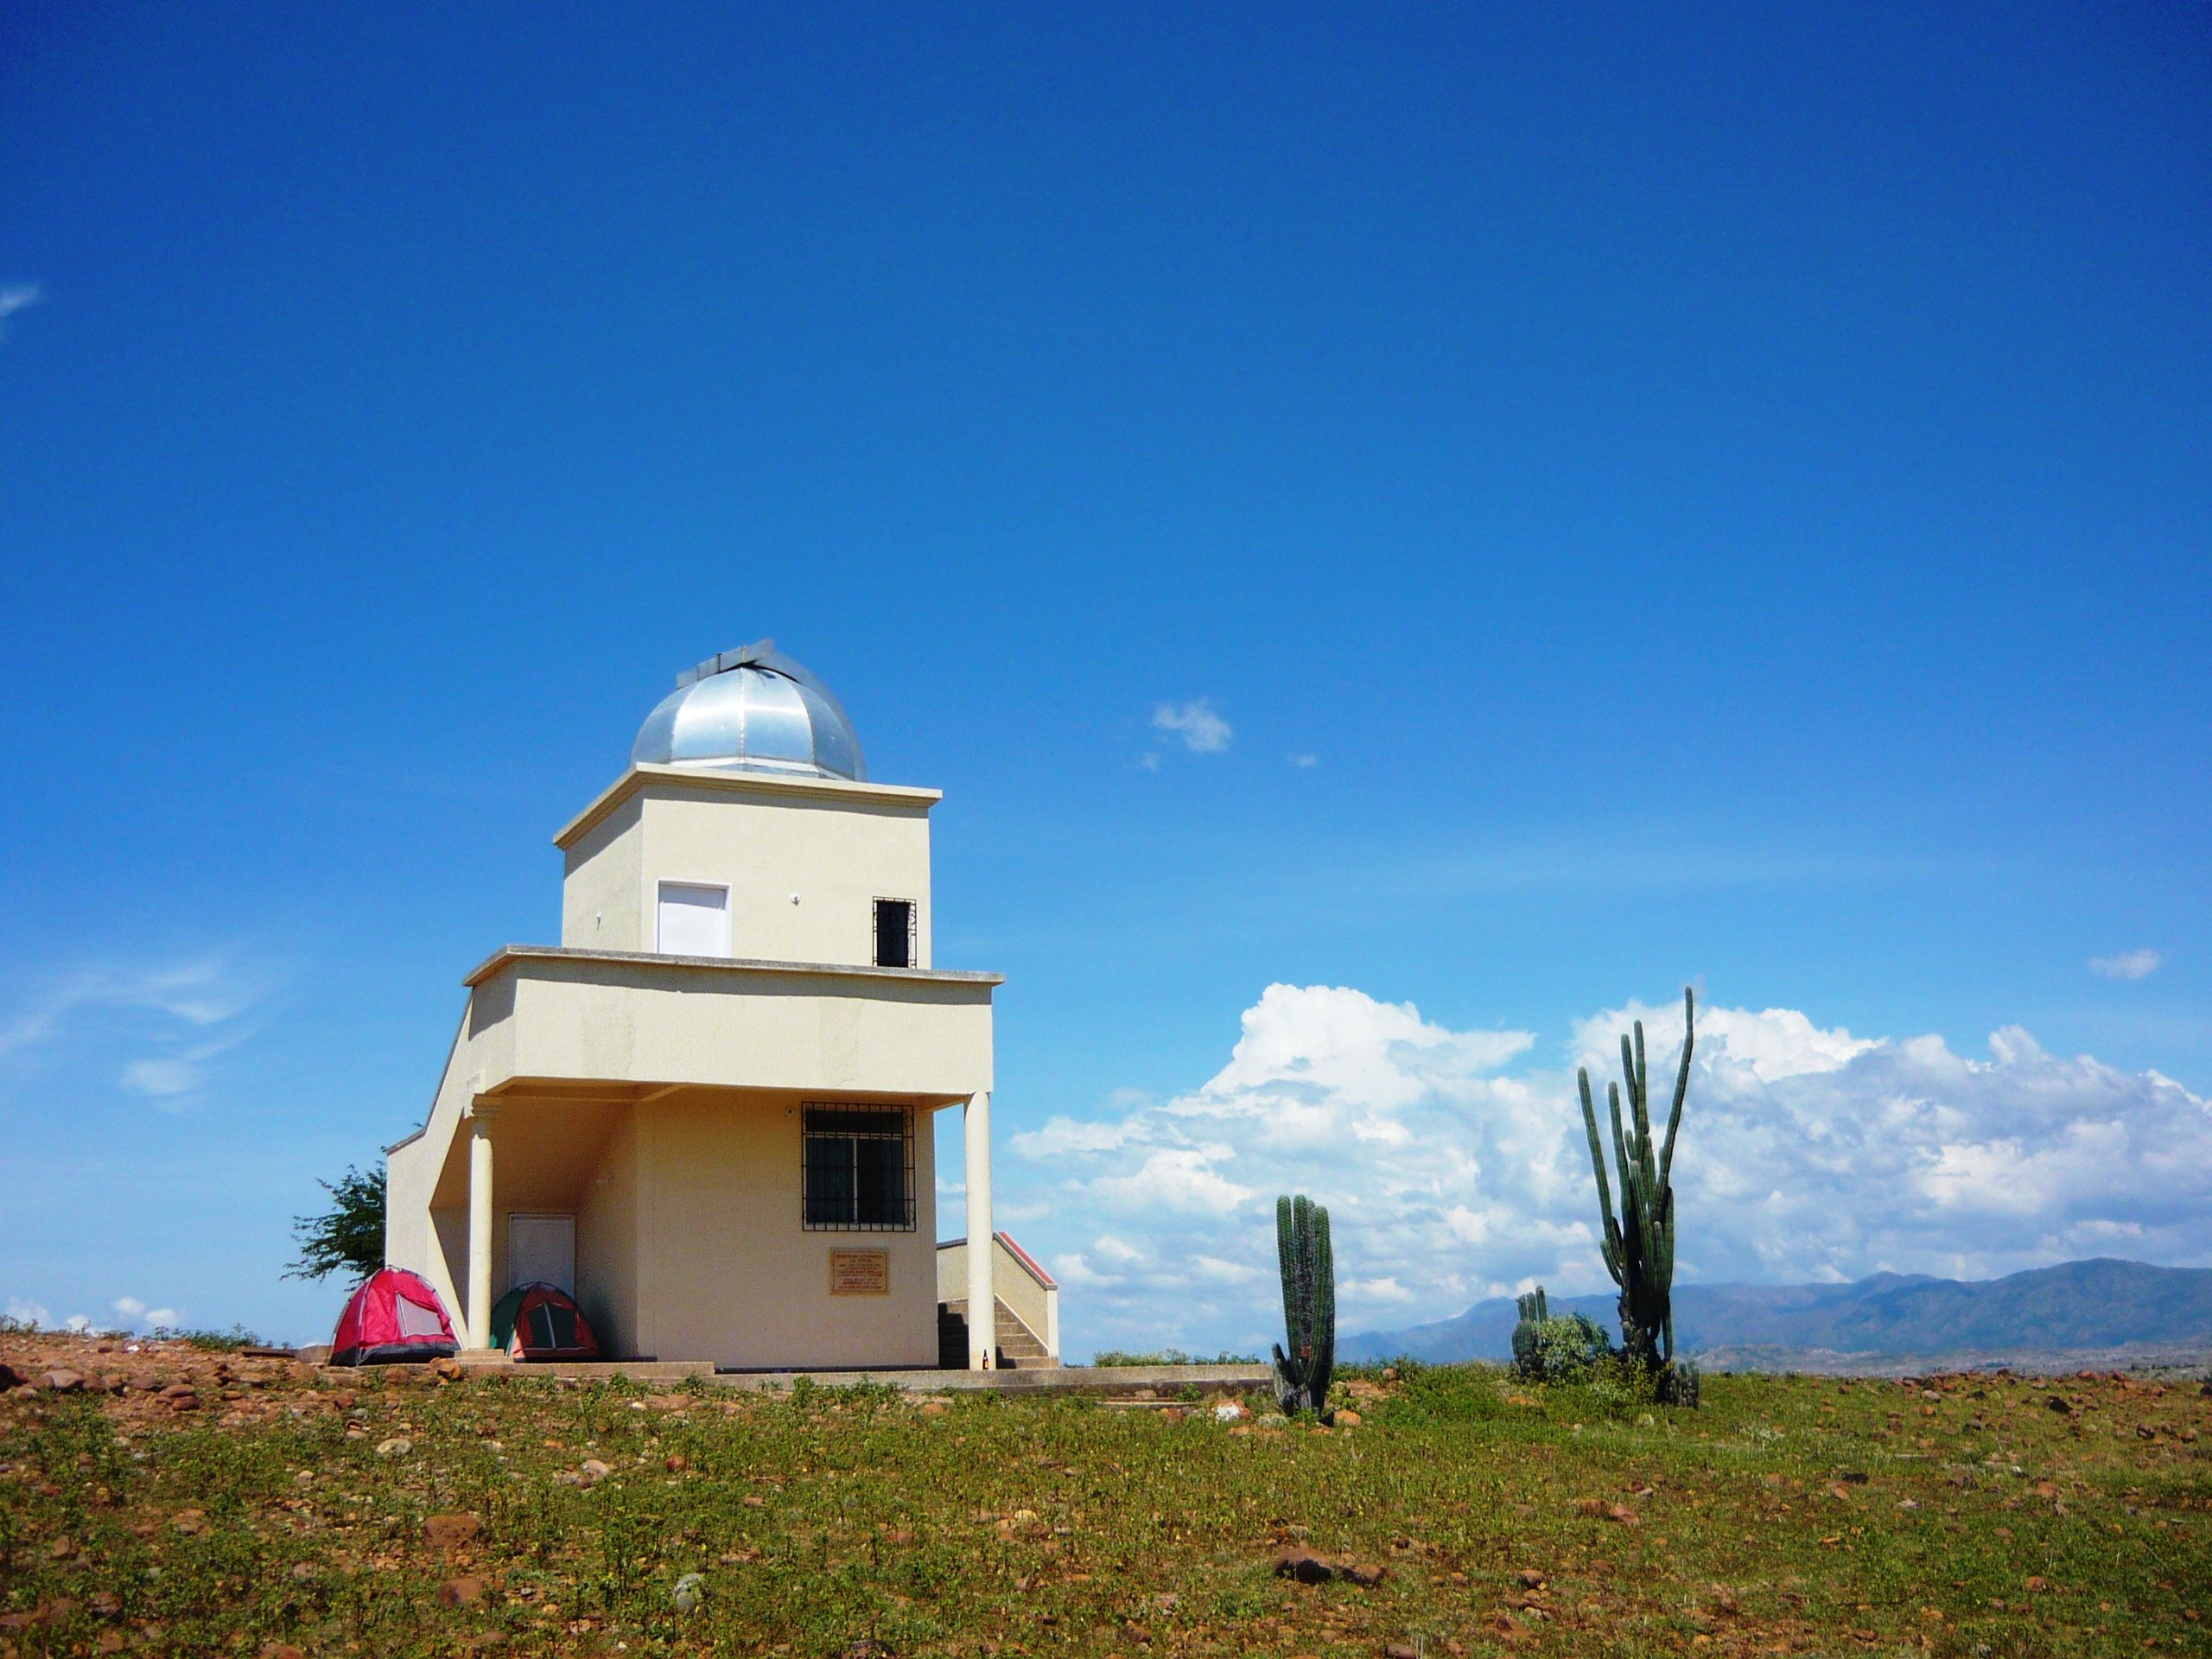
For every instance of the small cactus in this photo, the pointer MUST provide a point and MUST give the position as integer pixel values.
(1309, 1308)
(1534, 1313)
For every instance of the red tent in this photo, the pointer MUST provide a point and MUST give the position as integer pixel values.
(394, 1316)
(541, 1321)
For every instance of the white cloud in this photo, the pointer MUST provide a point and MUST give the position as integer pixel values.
(78, 1323)
(1203, 731)
(161, 1077)
(1806, 1153)
(2129, 964)
(24, 1312)
(1305, 761)
(135, 1315)
(14, 298)
(181, 1015)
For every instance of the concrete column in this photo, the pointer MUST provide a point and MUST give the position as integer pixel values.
(478, 1311)
(982, 1299)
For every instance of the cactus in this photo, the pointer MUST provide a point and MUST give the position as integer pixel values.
(1309, 1306)
(1534, 1313)
(1546, 1350)
(1640, 1244)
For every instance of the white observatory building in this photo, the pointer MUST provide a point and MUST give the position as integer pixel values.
(708, 1112)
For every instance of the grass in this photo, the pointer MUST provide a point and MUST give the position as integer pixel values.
(1789, 1515)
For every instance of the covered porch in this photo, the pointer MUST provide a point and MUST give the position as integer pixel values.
(659, 1127)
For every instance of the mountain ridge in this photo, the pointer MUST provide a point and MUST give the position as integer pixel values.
(2100, 1302)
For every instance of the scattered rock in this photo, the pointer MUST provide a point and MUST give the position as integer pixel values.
(591, 1472)
(62, 1382)
(754, 1501)
(281, 1650)
(935, 1408)
(189, 1521)
(451, 1532)
(10, 1377)
(1347, 1419)
(1530, 1578)
(1172, 1414)
(460, 1592)
(397, 1446)
(1626, 1516)
(1306, 1567)
(62, 1547)
(677, 1463)
(690, 1592)
(1230, 1412)
(448, 1370)
(2056, 1404)
(1399, 1650)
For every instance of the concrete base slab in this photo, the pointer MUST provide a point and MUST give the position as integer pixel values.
(1062, 1379)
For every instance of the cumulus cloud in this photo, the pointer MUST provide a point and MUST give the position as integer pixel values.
(2129, 964)
(1203, 731)
(1304, 762)
(14, 298)
(135, 1315)
(1454, 1170)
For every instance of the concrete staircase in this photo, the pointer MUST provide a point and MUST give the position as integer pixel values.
(1019, 1348)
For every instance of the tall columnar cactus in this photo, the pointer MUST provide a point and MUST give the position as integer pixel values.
(1640, 1243)
(1309, 1306)
(1534, 1313)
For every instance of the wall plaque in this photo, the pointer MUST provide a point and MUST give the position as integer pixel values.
(859, 1273)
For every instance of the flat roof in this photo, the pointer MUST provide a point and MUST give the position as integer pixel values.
(510, 954)
(742, 783)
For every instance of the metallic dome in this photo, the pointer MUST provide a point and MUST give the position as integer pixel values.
(752, 710)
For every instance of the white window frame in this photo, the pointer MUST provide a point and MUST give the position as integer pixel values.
(660, 889)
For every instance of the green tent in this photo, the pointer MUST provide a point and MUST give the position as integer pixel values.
(541, 1321)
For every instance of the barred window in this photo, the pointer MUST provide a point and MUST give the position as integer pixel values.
(895, 933)
(859, 1169)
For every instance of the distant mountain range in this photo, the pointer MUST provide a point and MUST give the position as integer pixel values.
(2100, 1304)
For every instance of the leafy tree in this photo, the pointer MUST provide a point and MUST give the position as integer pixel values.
(349, 1237)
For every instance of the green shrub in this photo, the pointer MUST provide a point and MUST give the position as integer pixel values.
(1121, 1356)
(1569, 1350)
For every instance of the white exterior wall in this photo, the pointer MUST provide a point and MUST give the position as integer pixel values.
(837, 846)
(658, 1101)
(599, 894)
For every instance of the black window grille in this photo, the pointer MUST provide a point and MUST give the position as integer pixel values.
(895, 933)
(859, 1169)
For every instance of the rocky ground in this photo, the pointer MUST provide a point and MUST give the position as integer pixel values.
(163, 1498)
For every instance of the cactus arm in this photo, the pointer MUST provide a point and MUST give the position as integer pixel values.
(1325, 1313)
(1614, 1264)
(1620, 1152)
(1286, 1252)
(1681, 1082)
(1643, 1087)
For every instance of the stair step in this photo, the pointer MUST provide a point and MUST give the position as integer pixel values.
(1018, 1346)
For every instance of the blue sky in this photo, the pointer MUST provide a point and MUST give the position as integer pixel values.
(1716, 497)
